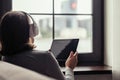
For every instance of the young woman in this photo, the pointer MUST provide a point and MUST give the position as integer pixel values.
(16, 36)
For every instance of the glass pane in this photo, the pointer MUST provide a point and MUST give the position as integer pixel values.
(75, 27)
(44, 39)
(33, 6)
(73, 6)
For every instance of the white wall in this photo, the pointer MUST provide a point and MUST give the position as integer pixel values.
(112, 36)
(108, 29)
(116, 40)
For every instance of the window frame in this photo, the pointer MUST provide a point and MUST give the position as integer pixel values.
(97, 56)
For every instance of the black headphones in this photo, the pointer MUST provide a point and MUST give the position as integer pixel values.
(34, 31)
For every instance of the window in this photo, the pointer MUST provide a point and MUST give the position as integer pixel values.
(61, 19)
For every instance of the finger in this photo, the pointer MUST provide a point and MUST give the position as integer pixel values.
(71, 54)
(76, 54)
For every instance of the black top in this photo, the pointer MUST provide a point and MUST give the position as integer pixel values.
(40, 61)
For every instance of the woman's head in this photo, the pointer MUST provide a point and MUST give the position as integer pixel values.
(14, 30)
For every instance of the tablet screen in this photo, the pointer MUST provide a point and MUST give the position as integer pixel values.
(61, 48)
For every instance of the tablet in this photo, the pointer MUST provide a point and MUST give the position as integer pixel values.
(61, 48)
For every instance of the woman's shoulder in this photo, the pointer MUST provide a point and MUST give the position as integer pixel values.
(39, 53)
(30, 54)
(48, 55)
(33, 52)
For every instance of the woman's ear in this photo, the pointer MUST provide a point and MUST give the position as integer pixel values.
(31, 40)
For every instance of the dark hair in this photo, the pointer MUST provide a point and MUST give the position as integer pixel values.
(14, 32)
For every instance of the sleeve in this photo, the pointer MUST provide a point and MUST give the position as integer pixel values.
(53, 69)
(69, 74)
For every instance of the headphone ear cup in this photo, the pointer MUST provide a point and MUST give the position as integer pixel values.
(35, 29)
